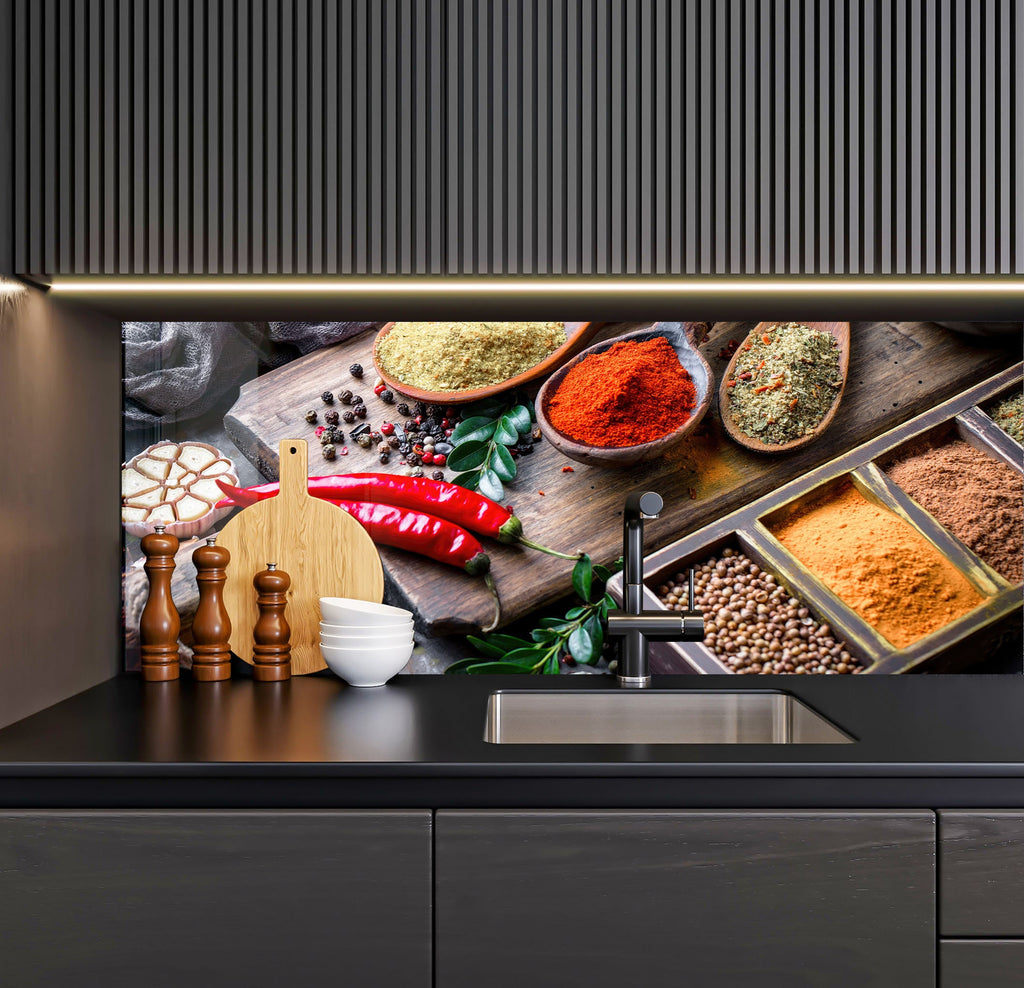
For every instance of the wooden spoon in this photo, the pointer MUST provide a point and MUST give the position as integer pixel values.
(841, 332)
(683, 338)
(577, 336)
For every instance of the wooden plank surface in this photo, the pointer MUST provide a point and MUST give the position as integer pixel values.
(981, 963)
(897, 370)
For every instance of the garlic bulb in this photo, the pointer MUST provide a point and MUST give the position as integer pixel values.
(174, 484)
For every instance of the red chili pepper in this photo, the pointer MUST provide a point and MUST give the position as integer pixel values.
(435, 538)
(766, 338)
(463, 507)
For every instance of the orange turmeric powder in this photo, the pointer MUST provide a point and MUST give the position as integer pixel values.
(874, 561)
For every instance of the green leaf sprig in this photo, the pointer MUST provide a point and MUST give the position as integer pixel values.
(481, 456)
(580, 633)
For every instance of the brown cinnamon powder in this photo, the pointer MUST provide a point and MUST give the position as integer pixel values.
(978, 498)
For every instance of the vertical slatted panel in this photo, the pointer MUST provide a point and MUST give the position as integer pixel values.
(518, 136)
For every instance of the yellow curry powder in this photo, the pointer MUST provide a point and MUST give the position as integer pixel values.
(879, 565)
(463, 356)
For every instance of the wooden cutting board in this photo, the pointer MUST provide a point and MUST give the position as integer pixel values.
(324, 550)
(896, 371)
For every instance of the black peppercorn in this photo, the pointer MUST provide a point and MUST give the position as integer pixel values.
(329, 452)
(402, 408)
(410, 426)
(413, 460)
(357, 399)
(310, 417)
(419, 408)
(384, 457)
(360, 411)
(327, 398)
(405, 448)
(375, 436)
(387, 396)
(331, 417)
(349, 417)
(345, 397)
(429, 424)
(394, 442)
(356, 370)
(437, 475)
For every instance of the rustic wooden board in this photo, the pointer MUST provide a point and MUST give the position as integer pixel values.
(324, 550)
(897, 370)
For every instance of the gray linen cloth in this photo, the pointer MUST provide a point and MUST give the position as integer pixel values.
(182, 370)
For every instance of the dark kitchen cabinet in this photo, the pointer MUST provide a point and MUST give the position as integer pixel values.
(734, 898)
(250, 898)
(981, 963)
(981, 864)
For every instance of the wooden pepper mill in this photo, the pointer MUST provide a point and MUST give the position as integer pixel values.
(211, 627)
(271, 652)
(160, 623)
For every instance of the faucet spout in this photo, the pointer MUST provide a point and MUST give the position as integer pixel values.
(638, 506)
(633, 624)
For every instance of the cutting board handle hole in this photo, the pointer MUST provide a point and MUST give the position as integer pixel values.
(293, 451)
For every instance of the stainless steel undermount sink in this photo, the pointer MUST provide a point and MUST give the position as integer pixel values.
(655, 717)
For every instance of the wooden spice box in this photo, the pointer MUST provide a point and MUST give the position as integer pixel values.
(946, 650)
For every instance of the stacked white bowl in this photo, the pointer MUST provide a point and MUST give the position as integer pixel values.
(362, 642)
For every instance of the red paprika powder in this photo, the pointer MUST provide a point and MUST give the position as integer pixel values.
(633, 392)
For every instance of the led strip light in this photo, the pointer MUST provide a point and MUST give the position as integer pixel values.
(882, 285)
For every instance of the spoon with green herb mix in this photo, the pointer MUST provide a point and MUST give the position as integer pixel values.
(784, 384)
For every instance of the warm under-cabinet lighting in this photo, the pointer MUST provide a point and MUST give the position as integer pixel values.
(884, 285)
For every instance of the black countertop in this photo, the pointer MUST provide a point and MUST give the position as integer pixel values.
(942, 741)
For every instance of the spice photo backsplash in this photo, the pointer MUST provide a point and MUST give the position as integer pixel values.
(505, 546)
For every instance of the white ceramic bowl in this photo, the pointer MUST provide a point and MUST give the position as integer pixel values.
(363, 641)
(366, 631)
(367, 666)
(345, 610)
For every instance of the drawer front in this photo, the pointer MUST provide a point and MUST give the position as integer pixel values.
(981, 963)
(546, 899)
(981, 874)
(182, 899)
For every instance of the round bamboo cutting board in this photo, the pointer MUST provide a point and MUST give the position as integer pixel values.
(325, 551)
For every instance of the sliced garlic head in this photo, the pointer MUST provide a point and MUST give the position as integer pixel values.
(172, 484)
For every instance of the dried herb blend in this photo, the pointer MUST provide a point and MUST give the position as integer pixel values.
(784, 382)
(979, 499)
(1008, 414)
(633, 392)
(462, 356)
(753, 625)
(891, 575)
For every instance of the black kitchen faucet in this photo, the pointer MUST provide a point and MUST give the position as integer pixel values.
(632, 623)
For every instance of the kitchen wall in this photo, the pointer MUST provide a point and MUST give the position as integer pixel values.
(545, 136)
(60, 445)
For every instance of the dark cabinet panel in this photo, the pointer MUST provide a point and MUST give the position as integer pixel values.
(171, 899)
(981, 963)
(669, 898)
(981, 873)
(529, 137)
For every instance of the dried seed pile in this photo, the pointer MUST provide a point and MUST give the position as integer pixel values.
(751, 622)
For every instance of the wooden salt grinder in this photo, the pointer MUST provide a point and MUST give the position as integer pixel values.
(211, 627)
(160, 623)
(271, 652)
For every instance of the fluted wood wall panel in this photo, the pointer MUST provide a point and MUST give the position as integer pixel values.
(518, 136)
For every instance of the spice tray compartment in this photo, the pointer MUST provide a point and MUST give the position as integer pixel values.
(985, 421)
(949, 648)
